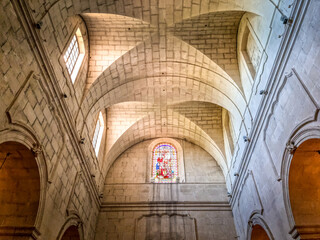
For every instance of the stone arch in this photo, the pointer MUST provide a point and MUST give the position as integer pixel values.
(200, 68)
(152, 42)
(20, 191)
(144, 129)
(145, 87)
(258, 228)
(304, 186)
(302, 134)
(103, 49)
(72, 229)
(28, 142)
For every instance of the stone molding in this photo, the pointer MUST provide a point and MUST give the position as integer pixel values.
(257, 219)
(20, 135)
(72, 220)
(305, 232)
(12, 232)
(165, 206)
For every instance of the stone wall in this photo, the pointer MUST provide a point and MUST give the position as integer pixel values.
(287, 117)
(33, 113)
(129, 198)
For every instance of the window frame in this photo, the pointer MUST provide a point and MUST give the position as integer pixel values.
(80, 59)
(175, 178)
(180, 160)
(98, 134)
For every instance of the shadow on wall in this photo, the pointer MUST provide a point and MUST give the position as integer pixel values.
(166, 227)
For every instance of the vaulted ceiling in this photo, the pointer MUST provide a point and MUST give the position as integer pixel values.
(164, 78)
(154, 62)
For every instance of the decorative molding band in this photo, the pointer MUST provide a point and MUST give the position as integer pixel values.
(305, 232)
(11, 231)
(181, 184)
(166, 206)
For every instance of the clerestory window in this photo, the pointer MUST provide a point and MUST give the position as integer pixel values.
(74, 55)
(97, 137)
(165, 163)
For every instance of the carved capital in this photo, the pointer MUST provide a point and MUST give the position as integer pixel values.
(79, 225)
(36, 76)
(36, 148)
(291, 148)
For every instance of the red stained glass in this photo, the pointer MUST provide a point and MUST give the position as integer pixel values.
(164, 163)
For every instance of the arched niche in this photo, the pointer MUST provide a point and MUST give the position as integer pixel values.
(19, 191)
(304, 189)
(71, 233)
(258, 229)
(72, 229)
(180, 159)
(258, 233)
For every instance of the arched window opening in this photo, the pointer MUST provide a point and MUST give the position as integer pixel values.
(74, 55)
(251, 52)
(72, 233)
(258, 233)
(98, 132)
(19, 191)
(304, 189)
(165, 163)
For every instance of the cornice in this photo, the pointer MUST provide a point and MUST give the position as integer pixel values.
(167, 206)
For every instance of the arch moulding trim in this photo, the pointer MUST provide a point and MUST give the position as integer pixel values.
(303, 134)
(257, 219)
(72, 220)
(24, 137)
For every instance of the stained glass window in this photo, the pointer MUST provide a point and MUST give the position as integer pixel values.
(164, 163)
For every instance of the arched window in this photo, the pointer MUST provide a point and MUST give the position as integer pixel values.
(97, 137)
(74, 55)
(165, 167)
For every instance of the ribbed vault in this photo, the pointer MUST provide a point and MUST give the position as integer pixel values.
(165, 66)
(111, 36)
(169, 55)
(180, 67)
